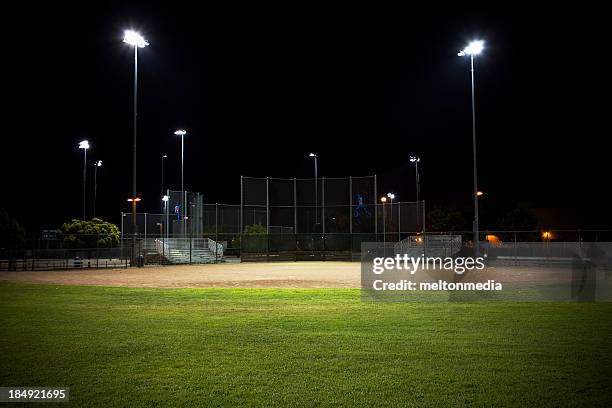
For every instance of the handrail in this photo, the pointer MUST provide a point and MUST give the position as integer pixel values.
(163, 247)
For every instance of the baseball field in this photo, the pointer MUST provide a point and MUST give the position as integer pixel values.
(291, 334)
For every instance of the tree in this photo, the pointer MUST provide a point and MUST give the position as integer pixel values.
(518, 219)
(255, 239)
(12, 235)
(255, 229)
(94, 233)
(446, 218)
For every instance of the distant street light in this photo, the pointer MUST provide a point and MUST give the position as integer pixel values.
(85, 146)
(135, 40)
(316, 171)
(474, 48)
(182, 133)
(96, 165)
(479, 193)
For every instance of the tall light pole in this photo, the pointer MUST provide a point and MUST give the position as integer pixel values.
(182, 133)
(316, 171)
(137, 41)
(96, 165)
(474, 48)
(416, 160)
(85, 146)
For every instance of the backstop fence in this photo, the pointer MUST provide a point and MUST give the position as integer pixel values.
(324, 205)
(292, 219)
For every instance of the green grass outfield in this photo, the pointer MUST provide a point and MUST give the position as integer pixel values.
(324, 347)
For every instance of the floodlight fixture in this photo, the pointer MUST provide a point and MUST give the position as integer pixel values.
(134, 39)
(473, 48)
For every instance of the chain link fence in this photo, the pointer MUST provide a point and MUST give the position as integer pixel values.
(53, 252)
(220, 240)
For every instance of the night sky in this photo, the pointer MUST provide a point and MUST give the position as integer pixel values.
(257, 89)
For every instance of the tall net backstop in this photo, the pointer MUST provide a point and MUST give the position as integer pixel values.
(322, 218)
(280, 219)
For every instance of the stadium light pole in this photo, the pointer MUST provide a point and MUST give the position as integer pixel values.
(182, 133)
(96, 165)
(474, 48)
(85, 146)
(135, 40)
(416, 160)
(316, 171)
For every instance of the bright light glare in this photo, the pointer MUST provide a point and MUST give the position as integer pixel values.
(165, 199)
(180, 132)
(479, 193)
(131, 37)
(312, 155)
(383, 199)
(98, 163)
(84, 144)
(415, 159)
(391, 196)
(473, 48)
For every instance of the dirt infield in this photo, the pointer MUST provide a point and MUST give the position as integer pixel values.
(262, 275)
(232, 275)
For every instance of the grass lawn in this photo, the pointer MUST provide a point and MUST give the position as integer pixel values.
(324, 347)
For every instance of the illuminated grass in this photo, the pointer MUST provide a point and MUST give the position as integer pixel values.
(259, 347)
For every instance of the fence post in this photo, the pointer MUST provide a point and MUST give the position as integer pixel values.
(241, 204)
(295, 206)
(350, 204)
(144, 246)
(268, 205)
(122, 215)
(399, 220)
(167, 216)
(323, 205)
(351, 216)
(375, 209)
(424, 219)
(515, 250)
(216, 231)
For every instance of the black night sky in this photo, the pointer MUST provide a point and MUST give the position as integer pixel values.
(257, 89)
